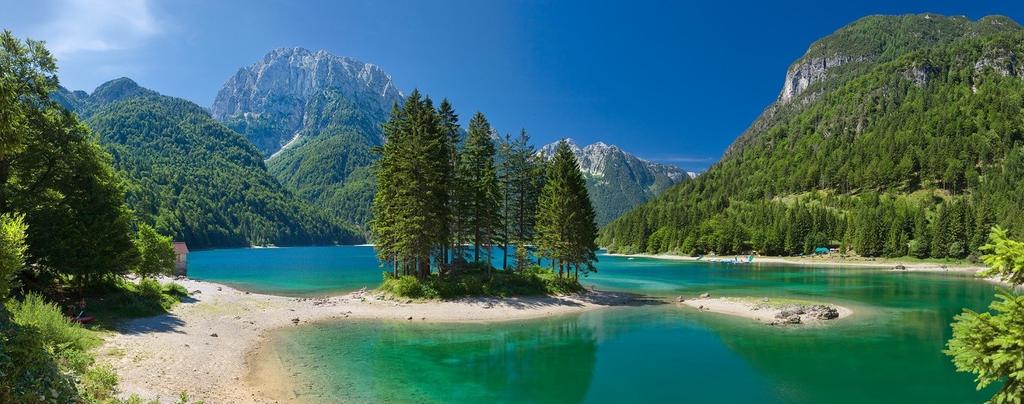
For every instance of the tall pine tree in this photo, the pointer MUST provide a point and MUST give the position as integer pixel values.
(480, 192)
(566, 230)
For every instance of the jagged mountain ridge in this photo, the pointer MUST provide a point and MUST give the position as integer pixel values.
(616, 180)
(279, 99)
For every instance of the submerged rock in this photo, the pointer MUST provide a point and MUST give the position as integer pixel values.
(705, 295)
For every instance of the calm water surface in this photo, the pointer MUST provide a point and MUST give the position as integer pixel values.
(888, 351)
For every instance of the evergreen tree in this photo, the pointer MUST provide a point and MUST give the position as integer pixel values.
(566, 231)
(522, 177)
(388, 212)
(921, 245)
(991, 344)
(412, 209)
(480, 198)
(448, 125)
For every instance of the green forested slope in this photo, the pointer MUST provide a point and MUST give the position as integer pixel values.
(193, 177)
(915, 149)
(330, 164)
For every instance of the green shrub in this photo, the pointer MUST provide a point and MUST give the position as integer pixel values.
(407, 286)
(53, 327)
(12, 251)
(99, 383)
(479, 280)
(126, 299)
(41, 352)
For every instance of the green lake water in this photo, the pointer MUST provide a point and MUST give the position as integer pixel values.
(888, 351)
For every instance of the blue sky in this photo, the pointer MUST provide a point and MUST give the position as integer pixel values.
(668, 81)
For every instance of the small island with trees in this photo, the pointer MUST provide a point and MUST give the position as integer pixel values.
(444, 204)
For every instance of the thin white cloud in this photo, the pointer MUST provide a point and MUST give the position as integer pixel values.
(79, 26)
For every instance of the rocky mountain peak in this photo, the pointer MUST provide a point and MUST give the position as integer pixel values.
(271, 100)
(299, 73)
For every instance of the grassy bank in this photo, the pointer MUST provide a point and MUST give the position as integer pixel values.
(46, 357)
(479, 281)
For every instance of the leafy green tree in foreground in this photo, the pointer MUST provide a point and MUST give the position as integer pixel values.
(156, 252)
(53, 172)
(566, 230)
(12, 252)
(991, 344)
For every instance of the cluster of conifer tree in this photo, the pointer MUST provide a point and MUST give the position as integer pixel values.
(443, 201)
(872, 225)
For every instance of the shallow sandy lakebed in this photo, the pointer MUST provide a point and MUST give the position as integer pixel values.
(206, 344)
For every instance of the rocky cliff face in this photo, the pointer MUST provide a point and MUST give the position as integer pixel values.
(855, 49)
(269, 101)
(618, 181)
(803, 74)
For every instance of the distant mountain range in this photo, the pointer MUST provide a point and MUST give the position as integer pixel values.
(284, 154)
(618, 181)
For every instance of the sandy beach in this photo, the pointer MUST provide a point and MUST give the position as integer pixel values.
(207, 344)
(764, 311)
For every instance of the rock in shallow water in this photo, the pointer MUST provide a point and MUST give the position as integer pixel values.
(823, 312)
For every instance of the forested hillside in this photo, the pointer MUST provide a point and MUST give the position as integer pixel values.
(194, 178)
(894, 136)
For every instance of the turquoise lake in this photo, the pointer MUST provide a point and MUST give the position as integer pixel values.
(888, 351)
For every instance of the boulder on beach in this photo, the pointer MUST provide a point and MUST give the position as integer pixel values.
(705, 295)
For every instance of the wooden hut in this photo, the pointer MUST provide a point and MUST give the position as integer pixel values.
(180, 258)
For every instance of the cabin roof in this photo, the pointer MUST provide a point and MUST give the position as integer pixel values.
(180, 247)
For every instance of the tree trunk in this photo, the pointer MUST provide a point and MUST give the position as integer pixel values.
(424, 267)
(5, 174)
(476, 247)
(396, 266)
